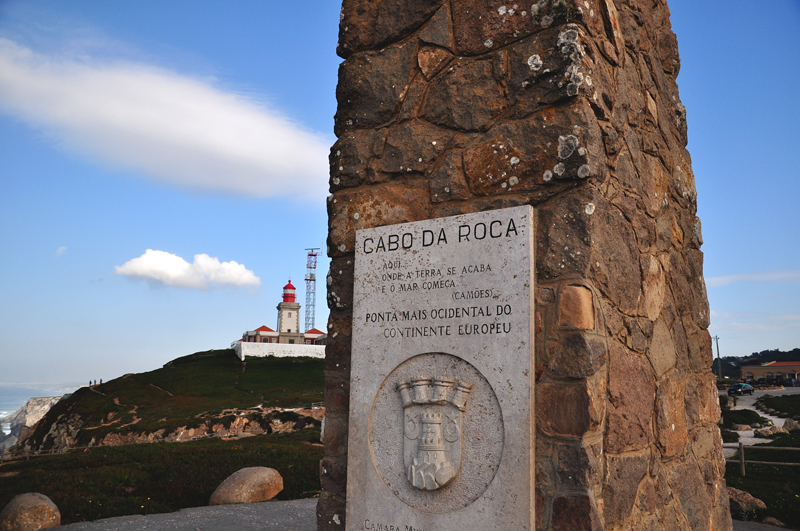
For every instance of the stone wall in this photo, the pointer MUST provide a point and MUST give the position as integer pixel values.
(279, 350)
(456, 106)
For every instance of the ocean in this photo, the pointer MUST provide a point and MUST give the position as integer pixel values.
(13, 397)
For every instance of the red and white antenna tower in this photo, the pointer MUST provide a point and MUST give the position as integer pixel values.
(311, 287)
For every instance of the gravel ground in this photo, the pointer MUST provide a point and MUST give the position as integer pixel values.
(747, 402)
(295, 515)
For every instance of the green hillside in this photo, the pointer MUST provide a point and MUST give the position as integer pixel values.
(243, 404)
(198, 391)
(110, 481)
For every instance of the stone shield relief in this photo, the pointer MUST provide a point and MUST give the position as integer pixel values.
(436, 433)
(432, 435)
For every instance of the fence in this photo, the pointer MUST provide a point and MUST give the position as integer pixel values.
(742, 460)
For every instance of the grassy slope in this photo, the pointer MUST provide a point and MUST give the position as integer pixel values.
(736, 416)
(777, 486)
(788, 404)
(741, 416)
(149, 478)
(160, 477)
(186, 392)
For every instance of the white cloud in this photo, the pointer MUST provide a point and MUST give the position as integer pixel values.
(174, 128)
(61, 250)
(172, 270)
(770, 277)
(755, 321)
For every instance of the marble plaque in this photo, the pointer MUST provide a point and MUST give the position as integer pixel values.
(441, 390)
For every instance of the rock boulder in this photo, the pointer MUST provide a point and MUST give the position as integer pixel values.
(743, 503)
(768, 432)
(772, 521)
(791, 425)
(248, 485)
(29, 512)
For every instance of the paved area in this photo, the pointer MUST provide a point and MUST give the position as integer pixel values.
(295, 515)
(747, 402)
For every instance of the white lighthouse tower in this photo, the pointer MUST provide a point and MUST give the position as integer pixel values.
(289, 316)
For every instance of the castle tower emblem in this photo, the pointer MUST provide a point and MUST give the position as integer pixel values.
(433, 416)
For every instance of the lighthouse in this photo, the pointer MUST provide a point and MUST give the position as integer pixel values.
(289, 316)
(288, 340)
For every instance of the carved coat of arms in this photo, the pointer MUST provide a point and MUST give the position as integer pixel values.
(433, 418)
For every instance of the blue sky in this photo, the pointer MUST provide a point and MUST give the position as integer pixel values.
(163, 168)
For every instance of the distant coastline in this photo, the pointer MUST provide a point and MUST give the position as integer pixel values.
(13, 397)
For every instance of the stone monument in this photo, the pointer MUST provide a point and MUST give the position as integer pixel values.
(457, 107)
(441, 404)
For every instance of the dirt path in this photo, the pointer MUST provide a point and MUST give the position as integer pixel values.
(135, 420)
(162, 389)
(748, 402)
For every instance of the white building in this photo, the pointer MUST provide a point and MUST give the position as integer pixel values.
(288, 340)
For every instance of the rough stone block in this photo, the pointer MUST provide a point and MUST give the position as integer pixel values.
(707, 446)
(366, 24)
(553, 65)
(576, 308)
(337, 397)
(643, 226)
(349, 158)
(654, 288)
(371, 85)
(438, 30)
(701, 401)
(578, 466)
(541, 507)
(662, 349)
(412, 146)
(576, 355)
(697, 499)
(449, 105)
(331, 510)
(384, 204)
(700, 309)
(339, 290)
(623, 477)
(671, 431)
(562, 243)
(333, 473)
(637, 334)
(447, 182)
(614, 261)
(541, 150)
(630, 384)
(583, 231)
(565, 410)
(485, 25)
(574, 513)
(335, 434)
(431, 60)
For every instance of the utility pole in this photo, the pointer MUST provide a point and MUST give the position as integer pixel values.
(719, 363)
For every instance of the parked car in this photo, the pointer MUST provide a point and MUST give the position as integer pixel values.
(792, 383)
(740, 389)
